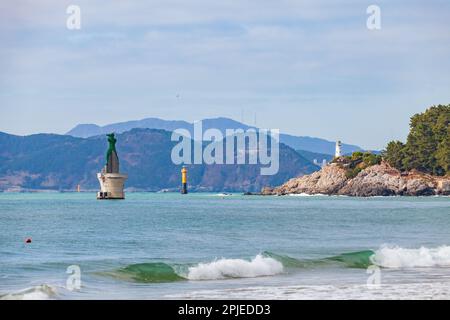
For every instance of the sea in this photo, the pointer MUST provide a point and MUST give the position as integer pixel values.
(223, 246)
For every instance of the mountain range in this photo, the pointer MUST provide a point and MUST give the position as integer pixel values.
(62, 162)
(305, 143)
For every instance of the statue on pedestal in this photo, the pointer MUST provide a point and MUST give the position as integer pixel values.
(110, 179)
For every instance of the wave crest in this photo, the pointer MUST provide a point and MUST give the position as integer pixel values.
(398, 257)
(219, 269)
(42, 292)
(236, 268)
(270, 264)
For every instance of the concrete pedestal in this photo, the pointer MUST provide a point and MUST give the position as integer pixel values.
(111, 186)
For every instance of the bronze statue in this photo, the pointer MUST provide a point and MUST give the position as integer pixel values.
(112, 160)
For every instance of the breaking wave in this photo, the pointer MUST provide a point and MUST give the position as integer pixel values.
(264, 264)
(236, 268)
(397, 257)
(270, 264)
(218, 269)
(42, 292)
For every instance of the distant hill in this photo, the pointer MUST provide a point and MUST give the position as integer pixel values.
(61, 162)
(297, 143)
(91, 130)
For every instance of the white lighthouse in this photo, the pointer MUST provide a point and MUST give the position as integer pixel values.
(338, 152)
(111, 180)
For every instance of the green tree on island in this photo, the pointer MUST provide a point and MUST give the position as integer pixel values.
(427, 148)
(395, 153)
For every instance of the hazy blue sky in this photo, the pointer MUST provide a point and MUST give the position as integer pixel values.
(306, 67)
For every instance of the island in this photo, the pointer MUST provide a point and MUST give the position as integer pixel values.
(419, 167)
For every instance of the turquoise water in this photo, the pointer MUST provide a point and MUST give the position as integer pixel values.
(212, 246)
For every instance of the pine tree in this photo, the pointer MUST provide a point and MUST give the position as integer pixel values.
(427, 148)
(394, 154)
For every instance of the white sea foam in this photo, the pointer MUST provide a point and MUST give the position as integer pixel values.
(235, 268)
(42, 292)
(397, 257)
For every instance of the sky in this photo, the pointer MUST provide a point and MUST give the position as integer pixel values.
(306, 67)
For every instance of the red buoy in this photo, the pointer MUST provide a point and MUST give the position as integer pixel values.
(28, 240)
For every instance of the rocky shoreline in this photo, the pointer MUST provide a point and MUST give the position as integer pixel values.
(376, 180)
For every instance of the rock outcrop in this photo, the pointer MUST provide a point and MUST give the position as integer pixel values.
(376, 180)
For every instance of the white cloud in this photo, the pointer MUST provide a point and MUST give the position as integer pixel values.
(301, 57)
